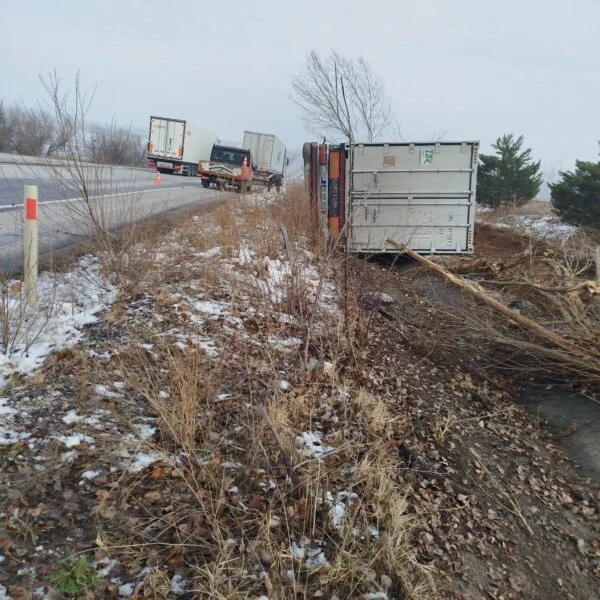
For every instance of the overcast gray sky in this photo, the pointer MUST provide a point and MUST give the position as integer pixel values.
(470, 70)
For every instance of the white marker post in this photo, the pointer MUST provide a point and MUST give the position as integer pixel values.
(30, 245)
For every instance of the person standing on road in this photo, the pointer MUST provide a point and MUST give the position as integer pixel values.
(274, 180)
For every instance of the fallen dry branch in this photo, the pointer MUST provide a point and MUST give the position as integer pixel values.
(588, 286)
(571, 352)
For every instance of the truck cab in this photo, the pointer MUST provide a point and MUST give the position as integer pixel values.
(228, 168)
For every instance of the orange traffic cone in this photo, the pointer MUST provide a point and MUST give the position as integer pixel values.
(157, 178)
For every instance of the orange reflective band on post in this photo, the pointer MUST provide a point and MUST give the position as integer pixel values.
(334, 165)
(31, 209)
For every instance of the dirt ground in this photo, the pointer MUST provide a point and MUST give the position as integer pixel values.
(523, 448)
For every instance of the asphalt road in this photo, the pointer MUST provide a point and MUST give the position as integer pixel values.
(55, 182)
(120, 195)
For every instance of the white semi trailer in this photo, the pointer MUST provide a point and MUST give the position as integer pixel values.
(177, 146)
(268, 155)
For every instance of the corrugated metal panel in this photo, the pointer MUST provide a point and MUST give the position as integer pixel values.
(420, 194)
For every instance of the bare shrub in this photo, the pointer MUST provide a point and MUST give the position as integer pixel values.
(92, 217)
(34, 132)
(113, 145)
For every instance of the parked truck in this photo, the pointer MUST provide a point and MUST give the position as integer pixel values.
(269, 156)
(176, 146)
(421, 194)
(228, 168)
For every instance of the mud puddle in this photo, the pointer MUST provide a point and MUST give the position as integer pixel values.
(572, 419)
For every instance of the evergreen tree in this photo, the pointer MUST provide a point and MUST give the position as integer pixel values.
(576, 197)
(509, 177)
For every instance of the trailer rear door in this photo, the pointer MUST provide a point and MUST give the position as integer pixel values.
(167, 137)
(420, 194)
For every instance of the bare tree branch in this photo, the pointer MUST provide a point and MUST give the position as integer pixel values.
(317, 93)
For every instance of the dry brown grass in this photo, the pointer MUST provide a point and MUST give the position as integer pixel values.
(240, 503)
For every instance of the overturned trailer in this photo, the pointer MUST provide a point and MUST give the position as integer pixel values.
(420, 194)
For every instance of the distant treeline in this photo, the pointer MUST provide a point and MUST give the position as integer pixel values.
(38, 132)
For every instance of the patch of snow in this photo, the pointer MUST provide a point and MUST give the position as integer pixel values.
(97, 419)
(126, 590)
(6, 410)
(212, 307)
(71, 417)
(91, 474)
(286, 319)
(109, 564)
(313, 557)
(209, 253)
(226, 464)
(3, 593)
(337, 513)
(69, 457)
(283, 385)
(245, 255)
(103, 391)
(142, 460)
(144, 430)
(208, 346)
(70, 441)
(51, 326)
(338, 506)
(311, 444)
(178, 585)
(284, 344)
(547, 226)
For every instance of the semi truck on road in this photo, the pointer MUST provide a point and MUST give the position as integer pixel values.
(269, 155)
(177, 146)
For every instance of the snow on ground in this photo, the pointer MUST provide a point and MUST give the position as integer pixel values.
(311, 444)
(66, 303)
(546, 226)
(540, 221)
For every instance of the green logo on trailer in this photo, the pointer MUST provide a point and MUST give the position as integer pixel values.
(427, 156)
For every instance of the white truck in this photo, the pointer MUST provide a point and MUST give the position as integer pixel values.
(268, 155)
(177, 146)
